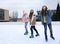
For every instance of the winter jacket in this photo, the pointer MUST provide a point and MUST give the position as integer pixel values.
(33, 21)
(48, 17)
(25, 18)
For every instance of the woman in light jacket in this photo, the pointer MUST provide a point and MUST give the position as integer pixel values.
(25, 20)
(32, 19)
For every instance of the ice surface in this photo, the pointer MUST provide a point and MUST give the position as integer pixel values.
(13, 33)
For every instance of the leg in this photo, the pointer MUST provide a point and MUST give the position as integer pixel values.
(50, 28)
(45, 32)
(32, 36)
(26, 31)
(31, 30)
(37, 34)
(26, 26)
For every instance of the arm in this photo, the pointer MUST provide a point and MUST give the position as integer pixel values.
(50, 13)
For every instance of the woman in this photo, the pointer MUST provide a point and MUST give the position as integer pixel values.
(25, 20)
(46, 20)
(32, 19)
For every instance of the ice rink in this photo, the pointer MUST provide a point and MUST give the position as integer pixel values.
(13, 33)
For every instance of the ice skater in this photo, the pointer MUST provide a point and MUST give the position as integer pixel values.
(45, 16)
(32, 19)
(25, 19)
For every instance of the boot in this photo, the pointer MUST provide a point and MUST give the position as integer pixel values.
(46, 38)
(37, 35)
(52, 37)
(26, 33)
(32, 36)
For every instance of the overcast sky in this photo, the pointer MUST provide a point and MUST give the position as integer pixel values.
(20, 5)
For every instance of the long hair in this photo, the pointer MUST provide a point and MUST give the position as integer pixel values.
(31, 14)
(44, 12)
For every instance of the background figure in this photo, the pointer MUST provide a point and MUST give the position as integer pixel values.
(32, 19)
(46, 20)
(25, 20)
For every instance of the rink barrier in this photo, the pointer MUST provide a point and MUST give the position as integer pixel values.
(21, 23)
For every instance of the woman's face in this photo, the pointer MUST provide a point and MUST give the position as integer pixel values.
(44, 8)
(31, 11)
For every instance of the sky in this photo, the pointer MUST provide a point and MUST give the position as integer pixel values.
(21, 5)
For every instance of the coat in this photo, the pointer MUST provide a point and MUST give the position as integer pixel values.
(33, 22)
(48, 17)
(25, 18)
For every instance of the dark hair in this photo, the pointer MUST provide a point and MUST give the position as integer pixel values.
(44, 12)
(31, 14)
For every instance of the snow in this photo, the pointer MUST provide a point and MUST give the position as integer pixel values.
(13, 33)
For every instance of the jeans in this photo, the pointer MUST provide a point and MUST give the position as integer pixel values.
(26, 30)
(45, 31)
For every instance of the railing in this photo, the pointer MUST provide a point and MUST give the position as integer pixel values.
(21, 23)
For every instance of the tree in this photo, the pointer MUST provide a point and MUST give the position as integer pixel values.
(56, 16)
(58, 13)
(15, 16)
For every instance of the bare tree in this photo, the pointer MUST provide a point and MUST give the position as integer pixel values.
(15, 16)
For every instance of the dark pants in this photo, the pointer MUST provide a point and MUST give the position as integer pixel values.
(45, 31)
(33, 28)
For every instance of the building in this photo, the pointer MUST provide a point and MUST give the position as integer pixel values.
(19, 19)
(4, 15)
